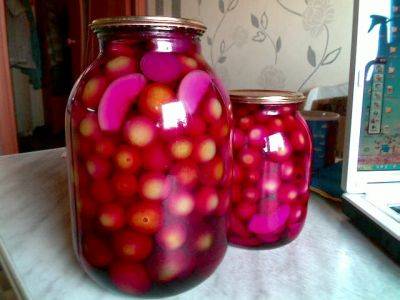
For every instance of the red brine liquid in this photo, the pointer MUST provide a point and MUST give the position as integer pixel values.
(150, 163)
(271, 174)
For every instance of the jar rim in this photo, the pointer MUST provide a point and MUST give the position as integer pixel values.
(156, 22)
(266, 96)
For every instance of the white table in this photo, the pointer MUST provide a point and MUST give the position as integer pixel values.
(330, 259)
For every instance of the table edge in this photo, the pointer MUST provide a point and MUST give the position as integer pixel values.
(16, 283)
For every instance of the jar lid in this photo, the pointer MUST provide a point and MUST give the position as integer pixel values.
(318, 115)
(156, 22)
(266, 97)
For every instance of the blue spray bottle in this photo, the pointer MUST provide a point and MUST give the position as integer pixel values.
(376, 81)
(395, 28)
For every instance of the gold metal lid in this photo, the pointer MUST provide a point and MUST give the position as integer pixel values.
(266, 97)
(155, 22)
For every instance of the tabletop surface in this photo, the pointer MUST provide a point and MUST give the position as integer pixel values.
(329, 260)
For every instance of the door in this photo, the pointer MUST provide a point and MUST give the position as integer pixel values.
(79, 14)
(83, 43)
(73, 36)
(8, 128)
(106, 8)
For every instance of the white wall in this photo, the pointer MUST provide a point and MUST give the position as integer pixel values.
(306, 30)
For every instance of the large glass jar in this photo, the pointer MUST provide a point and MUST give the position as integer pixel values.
(271, 173)
(148, 135)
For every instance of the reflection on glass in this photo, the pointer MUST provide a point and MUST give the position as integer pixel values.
(173, 114)
(274, 143)
(164, 46)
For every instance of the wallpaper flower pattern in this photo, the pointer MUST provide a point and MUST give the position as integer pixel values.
(275, 44)
(316, 17)
(272, 78)
(239, 36)
(317, 14)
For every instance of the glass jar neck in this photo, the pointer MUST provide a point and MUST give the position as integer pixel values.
(269, 109)
(154, 40)
(278, 109)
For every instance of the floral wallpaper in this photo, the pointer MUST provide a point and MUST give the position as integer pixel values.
(274, 44)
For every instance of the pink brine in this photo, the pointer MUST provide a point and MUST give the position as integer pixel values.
(148, 134)
(272, 157)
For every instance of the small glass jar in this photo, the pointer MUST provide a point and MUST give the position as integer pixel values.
(271, 173)
(150, 159)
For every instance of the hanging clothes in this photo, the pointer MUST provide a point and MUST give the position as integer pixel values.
(25, 62)
(23, 40)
